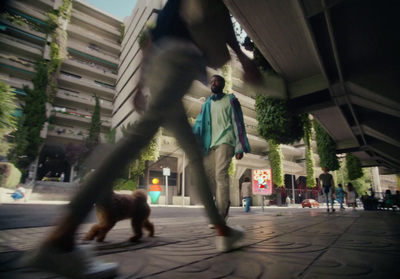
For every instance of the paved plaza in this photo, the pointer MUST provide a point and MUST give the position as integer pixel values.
(279, 243)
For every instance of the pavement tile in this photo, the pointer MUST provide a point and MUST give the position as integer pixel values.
(301, 244)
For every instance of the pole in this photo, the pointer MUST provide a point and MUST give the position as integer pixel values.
(183, 180)
(293, 188)
(166, 189)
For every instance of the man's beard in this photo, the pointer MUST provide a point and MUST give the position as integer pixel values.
(216, 89)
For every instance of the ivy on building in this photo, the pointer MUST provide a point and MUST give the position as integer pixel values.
(121, 33)
(58, 45)
(275, 158)
(326, 148)
(8, 122)
(276, 120)
(136, 169)
(353, 165)
(361, 184)
(310, 163)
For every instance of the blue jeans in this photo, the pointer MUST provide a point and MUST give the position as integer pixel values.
(328, 197)
(248, 203)
(341, 200)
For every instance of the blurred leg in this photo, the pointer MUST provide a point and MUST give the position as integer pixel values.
(209, 165)
(223, 158)
(182, 131)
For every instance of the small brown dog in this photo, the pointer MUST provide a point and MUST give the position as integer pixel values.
(122, 207)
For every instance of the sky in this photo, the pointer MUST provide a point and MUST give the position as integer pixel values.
(118, 8)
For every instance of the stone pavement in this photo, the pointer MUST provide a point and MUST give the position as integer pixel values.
(302, 243)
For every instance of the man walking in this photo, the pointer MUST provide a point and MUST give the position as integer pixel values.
(220, 128)
(328, 187)
(176, 56)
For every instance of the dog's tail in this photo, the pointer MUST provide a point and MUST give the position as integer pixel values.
(140, 195)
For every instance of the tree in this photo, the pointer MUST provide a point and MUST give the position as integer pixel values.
(27, 140)
(94, 131)
(19, 142)
(361, 184)
(8, 122)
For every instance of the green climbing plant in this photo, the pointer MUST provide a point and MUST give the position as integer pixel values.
(8, 122)
(353, 165)
(276, 121)
(275, 158)
(149, 153)
(326, 148)
(310, 163)
(58, 45)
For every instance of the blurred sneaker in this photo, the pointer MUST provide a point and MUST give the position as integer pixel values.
(79, 263)
(232, 242)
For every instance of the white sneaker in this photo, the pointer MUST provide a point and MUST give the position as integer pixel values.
(79, 263)
(232, 242)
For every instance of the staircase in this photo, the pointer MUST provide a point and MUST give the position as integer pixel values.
(53, 191)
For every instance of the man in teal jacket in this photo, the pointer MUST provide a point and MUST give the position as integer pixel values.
(222, 135)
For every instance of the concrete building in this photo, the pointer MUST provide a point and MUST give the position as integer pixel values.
(89, 68)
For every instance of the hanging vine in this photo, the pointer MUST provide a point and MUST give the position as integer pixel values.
(353, 165)
(275, 157)
(310, 163)
(326, 148)
(57, 20)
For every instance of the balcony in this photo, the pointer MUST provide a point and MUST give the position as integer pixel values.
(16, 83)
(93, 25)
(80, 84)
(74, 118)
(14, 66)
(90, 54)
(81, 101)
(79, 34)
(24, 32)
(26, 11)
(19, 48)
(90, 69)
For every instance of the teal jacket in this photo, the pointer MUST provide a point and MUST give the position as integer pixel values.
(202, 127)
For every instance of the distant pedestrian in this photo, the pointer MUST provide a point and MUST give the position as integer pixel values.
(19, 193)
(287, 201)
(62, 177)
(340, 196)
(351, 196)
(328, 187)
(247, 193)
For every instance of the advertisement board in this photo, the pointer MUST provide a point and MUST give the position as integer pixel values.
(262, 182)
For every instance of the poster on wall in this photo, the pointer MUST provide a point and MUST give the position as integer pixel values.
(262, 182)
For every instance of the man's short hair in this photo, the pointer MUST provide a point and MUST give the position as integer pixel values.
(220, 78)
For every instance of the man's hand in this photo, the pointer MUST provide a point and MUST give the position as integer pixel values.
(239, 156)
(251, 73)
(139, 101)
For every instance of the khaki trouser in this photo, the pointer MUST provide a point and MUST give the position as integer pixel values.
(217, 163)
(169, 75)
